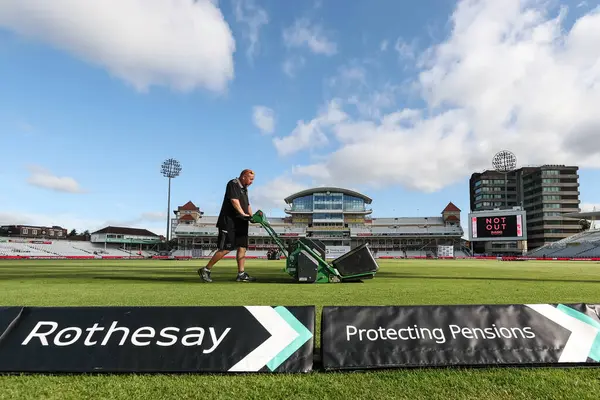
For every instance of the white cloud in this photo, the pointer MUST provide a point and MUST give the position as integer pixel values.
(353, 85)
(310, 135)
(384, 45)
(305, 34)
(269, 196)
(405, 50)
(351, 74)
(153, 216)
(253, 18)
(510, 75)
(317, 171)
(292, 65)
(26, 128)
(587, 207)
(43, 178)
(182, 44)
(264, 119)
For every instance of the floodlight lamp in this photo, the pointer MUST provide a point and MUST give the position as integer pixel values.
(504, 161)
(170, 168)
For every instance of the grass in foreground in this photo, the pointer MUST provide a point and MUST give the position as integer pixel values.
(406, 282)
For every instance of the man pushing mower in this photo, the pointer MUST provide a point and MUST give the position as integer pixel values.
(233, 224)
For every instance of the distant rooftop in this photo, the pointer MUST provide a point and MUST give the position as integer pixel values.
(332, 189)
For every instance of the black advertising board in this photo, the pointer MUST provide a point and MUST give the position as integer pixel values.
(157, 339)
(469, 335)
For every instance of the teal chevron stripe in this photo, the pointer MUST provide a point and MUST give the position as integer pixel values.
(595, 350)
(303, 336)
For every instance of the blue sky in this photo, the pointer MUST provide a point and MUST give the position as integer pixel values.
(399, 100)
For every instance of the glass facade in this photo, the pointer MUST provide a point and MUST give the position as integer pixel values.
(328, 216)
(331, 201)
(304, 203)
(328, 202)
(352, 203)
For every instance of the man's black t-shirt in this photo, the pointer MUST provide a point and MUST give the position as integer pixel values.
(228, 218)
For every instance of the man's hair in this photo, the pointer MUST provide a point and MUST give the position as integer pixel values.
(246, 172)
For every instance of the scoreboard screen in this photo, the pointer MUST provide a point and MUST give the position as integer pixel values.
(497, 226)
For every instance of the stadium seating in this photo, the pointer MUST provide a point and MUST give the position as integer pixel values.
(200, 253)
(581, 245)
(64, 248)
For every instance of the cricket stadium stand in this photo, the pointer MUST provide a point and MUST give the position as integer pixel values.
(585, 244)
(340, 218)
(25, 241)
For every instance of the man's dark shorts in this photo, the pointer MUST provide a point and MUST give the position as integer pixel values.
(232, 239)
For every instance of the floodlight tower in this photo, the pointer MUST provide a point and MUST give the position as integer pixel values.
(505, 162)
(170, 169)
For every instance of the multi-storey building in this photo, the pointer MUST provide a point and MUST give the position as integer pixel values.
(492, 189)
(545, 192)
(549, 192)
(34, 232)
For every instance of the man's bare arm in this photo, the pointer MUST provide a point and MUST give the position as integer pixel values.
(238, 207)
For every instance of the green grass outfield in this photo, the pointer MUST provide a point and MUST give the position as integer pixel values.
(399, 282)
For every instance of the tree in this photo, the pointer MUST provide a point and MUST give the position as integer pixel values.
(584, 224)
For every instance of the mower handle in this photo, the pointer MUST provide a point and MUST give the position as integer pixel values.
(259, 217)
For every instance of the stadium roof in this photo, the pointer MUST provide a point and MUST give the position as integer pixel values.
(189, 206)
(584, 215)
(119, 230)
(306, 192)
(451, 207)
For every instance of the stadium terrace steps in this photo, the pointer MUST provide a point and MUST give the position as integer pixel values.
(12, 247)
(581, 245)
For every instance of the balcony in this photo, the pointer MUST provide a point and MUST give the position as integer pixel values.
(304, 211)
(568, 227)
(541, 236)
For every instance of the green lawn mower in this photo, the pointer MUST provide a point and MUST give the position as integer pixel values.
(306, 259)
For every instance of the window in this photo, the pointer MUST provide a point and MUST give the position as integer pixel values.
(550, 172)
(303, 204)
(327, 216)
(328, 201)
(352, 203)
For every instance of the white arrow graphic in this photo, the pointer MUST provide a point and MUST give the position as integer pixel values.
(282, 334)
(582, 336)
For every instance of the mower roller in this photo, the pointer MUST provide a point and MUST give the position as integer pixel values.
(306, 259)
